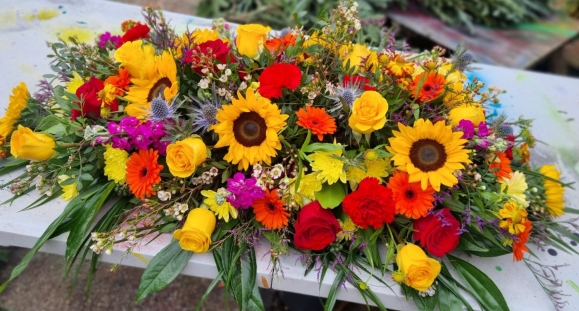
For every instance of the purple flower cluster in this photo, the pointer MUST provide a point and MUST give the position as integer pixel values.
(243, 191)
(106, 38)
(131, 132)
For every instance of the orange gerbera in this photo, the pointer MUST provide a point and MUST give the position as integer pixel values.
(411, 200)
(278, 44)
(120, 82)
(269, 211)
(501, 166)
(519, 245)
(316, 120)
(431, 86)
(143, 172)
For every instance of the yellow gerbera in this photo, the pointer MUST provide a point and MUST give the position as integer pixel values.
(348, 228)
(69, 191)
(116, 164)
(399, 66)
(430, 153)
(513, 217)
(515, 186)
(553, 190)
(18, 101)
(219, 205)
(249, 126)
(159, 79)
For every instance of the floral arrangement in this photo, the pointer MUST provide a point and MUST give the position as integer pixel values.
(368, 161)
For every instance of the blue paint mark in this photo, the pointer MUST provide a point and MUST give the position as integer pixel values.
(60, 6)
(81, 22)
(492, 110)
(63, 12)
(189, 21)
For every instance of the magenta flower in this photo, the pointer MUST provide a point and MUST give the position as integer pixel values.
(483, 130)
(129, 124)
(142, 137)
(106, 38)
(120, 143)
(243, 191)
(467, 128)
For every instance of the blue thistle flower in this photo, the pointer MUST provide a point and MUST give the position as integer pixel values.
(203, 115)
(161, 110)
(348, 93)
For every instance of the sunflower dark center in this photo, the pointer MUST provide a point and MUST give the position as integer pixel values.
(409, 194)
(158, 88)
(249, 129)
(428, 155)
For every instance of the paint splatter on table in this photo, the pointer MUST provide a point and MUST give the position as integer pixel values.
(520, 47)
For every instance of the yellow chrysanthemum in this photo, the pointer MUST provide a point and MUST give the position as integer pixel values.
(136, 58)
(69, 191)
(203, 35)
(18, 101)
(159, 79)
(371, 168)
(249, 126)
(116, 164)
(219, 205)
(348, 229)
(329, 165)
(309, 185)
(553, 190)
(513, 217)
(515, 186)
(430, 153)
(74, 83)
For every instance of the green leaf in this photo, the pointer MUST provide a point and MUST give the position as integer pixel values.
(480, 285)
(163, 269)
(208, 290)
(321, 147)
(451, 286)
(467, 244)
(331, 195)
(447, 301)
(333, 294)
(12, 164)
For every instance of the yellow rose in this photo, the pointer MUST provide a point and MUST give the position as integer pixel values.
(368, 113)
(184, 156)
(360, 58)
(136, 57)
(472, 112)
(195, 236)
(251, 39)
(18, 101)
(419, 270)
(29, 145)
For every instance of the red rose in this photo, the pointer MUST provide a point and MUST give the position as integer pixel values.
(370, 205)
(90, 102)
(277, 76)
(315, 227)
(139, 31)
(358, 80)
(439, 232)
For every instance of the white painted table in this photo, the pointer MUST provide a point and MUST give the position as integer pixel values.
(553, 101)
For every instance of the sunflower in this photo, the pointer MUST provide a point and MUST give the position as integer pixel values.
(143, 172)
(501, 166)
(553, 190)
(316, 120)
(18, 101)
(159, 79)
(411, 200)
(269, 211)
(429, 153)
(249, 126)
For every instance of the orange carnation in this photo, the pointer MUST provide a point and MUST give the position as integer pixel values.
(278, 44)
(120, 82)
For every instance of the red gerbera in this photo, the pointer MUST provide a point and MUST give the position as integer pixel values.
(138, 31)
(143, 172)
(370, 205)
(432, 86)
(277, 76)
(411, 200)
(316, 120)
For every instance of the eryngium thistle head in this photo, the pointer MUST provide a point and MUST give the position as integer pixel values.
(505, 130)
(159, 109)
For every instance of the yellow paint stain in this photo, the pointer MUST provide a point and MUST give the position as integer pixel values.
(140, 257)
(27, 69)
(42, 15)
(80, 34)
(7, 19)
